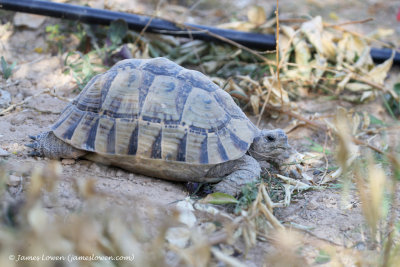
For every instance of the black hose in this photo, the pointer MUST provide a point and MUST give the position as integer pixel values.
(155, 25)
(382, 54)
(135, 22)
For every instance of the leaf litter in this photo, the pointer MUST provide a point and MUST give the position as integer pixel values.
(316, 59)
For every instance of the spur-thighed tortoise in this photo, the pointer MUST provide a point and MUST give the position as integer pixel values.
(154, 117)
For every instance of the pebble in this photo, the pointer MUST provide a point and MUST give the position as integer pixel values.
(119, 173)
(14, 180)
(110, 172)
(68, 162)
(85, 163)
(16, 121)
(28, 20)
(345, 228)
(360, 246)
(312, 205)
(12, 129)
(4, 153)
(95, 168)
(5, 99)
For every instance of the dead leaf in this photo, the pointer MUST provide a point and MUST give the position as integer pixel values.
(379, 73)
(381, 33)
(186, 214)
(313, 30)
(357, 87)
(333, 16)
(329, 47)
(178, 236)
(38, 50)
(349, 48)
(255, 103)
(256, 15)
(277, 96)
(302, 53)
(367, 95)
(238, 25)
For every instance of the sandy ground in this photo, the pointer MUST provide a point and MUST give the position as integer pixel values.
(324, 212)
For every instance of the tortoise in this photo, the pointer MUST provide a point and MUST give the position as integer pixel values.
(156, 118)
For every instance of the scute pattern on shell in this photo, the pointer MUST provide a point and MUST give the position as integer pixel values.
(154, 108)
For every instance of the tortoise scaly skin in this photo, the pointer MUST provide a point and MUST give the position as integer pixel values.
(154, 117)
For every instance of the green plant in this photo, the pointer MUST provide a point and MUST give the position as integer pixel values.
(55, 38)
(317, 147)
(81, 68)
(249, 194)
(6, 69)
(392, 103)
(117, 31)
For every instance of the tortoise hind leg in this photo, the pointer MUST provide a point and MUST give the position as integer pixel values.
(241, 171)
(48, 145)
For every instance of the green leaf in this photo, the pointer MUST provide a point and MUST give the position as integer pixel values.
(3, 64)
(237, 92)
(375, 120)
(153, 51)
(6, 69)
(317, 147)
(117, 31)
(396, 88)
(397, 174)
(86, 66)
(322, 257)
(219, 198)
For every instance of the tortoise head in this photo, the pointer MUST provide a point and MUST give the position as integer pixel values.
(271, 146)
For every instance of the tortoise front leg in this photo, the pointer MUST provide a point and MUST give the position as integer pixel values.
(245, 170)
(48, 145)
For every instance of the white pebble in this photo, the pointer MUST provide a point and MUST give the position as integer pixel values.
(68, 162)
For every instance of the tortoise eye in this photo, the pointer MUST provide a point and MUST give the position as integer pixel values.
(271, 138)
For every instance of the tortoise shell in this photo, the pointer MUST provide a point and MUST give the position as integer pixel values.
(156, 109)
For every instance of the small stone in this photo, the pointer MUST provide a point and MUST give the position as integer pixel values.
(68, 162)
(166, 189)
(119, 173)
(4, 153)
(312, 205)
(85, 163)
(17, 120)
(130, 176)
(110, 172)
(345, 228)
(14, 180)
(28, 20)
(5, 99)
(12, 129)
(360, 246)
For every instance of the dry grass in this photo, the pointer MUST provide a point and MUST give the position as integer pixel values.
(314, 59)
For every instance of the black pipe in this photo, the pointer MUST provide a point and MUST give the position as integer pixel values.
(382, 54)
(155, 25)
(135, 22)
